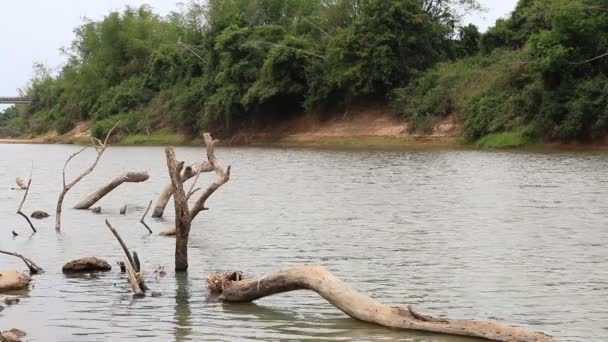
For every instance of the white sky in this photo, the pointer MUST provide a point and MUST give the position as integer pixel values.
(33, 30)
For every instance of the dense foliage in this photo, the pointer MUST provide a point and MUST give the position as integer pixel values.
(542, 73)
(225, 64)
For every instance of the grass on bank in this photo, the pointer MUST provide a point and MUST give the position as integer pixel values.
(510, 139)
(156, 139)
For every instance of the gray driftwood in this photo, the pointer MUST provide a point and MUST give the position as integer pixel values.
(188, 173)
(131, 264)
(100, 148)
(129, 177)
(362, 307)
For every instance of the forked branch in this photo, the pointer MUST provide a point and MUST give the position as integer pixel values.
(100, 148)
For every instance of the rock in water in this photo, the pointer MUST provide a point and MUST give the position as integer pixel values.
(13, 281)
(168, 232)
(123, 210)
(86, 265)
(97, 210)
(13, 335)
(11, 300)
(39, 215)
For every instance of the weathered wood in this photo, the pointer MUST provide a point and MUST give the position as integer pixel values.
(222, 176)
(188, 173)
(182, 213)
(132, 266)
(362, 307)
(34, 269)
(27, 190)
(143, 218)
(100, 148)
(129, 177)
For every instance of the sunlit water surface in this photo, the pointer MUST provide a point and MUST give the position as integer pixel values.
(518, 237)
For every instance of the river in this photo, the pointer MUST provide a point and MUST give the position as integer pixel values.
(519, 237)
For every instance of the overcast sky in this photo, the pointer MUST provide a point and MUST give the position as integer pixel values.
(34, 31)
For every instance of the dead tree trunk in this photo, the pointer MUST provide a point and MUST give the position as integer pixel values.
(183, 215)
(27, 190)
(129, 177)
(132, 265)
(34, 269)
(361, 307)
(100, 148)
(165, 196)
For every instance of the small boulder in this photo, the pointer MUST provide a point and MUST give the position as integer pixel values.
(11, 300)
(39, 215)
(86, 265)
(13, 281)
(123, 210)
(97, 210)
(13, 335)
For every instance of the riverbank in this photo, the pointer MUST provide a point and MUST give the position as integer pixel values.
(369, 128)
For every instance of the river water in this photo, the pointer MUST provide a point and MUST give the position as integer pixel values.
(520, 237)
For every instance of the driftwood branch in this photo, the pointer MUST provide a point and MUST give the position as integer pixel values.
(129, 177)
(100, 148)
(222, 176)
(34, 269)
(361, 307)
(143, 218)
(135, 278)
(27, 190)
(188, 173)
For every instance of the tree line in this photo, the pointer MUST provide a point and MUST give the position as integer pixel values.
(226, 64)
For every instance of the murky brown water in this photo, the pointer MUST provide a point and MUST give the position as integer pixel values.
(512, 236)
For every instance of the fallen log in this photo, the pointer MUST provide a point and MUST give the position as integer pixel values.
(132, 266)
(165, 195)
(34, 269)
(129, 177)
(362, 307)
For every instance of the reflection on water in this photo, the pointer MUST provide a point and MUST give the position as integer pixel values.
(512, 236)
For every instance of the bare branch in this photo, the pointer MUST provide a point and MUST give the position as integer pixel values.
(66, 187)
(34, 269)
(143, 218)
(27, 190)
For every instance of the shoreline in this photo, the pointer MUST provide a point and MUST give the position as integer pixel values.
(363, 143)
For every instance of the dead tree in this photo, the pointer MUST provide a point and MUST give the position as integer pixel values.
(100, 148)
(27, 190)
(132, 266)
(129, 177)
(183, 214)
(188, 173)
(363, 308)
(34, 269)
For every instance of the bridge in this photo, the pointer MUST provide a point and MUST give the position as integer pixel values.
(14, 100)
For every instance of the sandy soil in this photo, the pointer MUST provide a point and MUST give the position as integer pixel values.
(369, 123)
